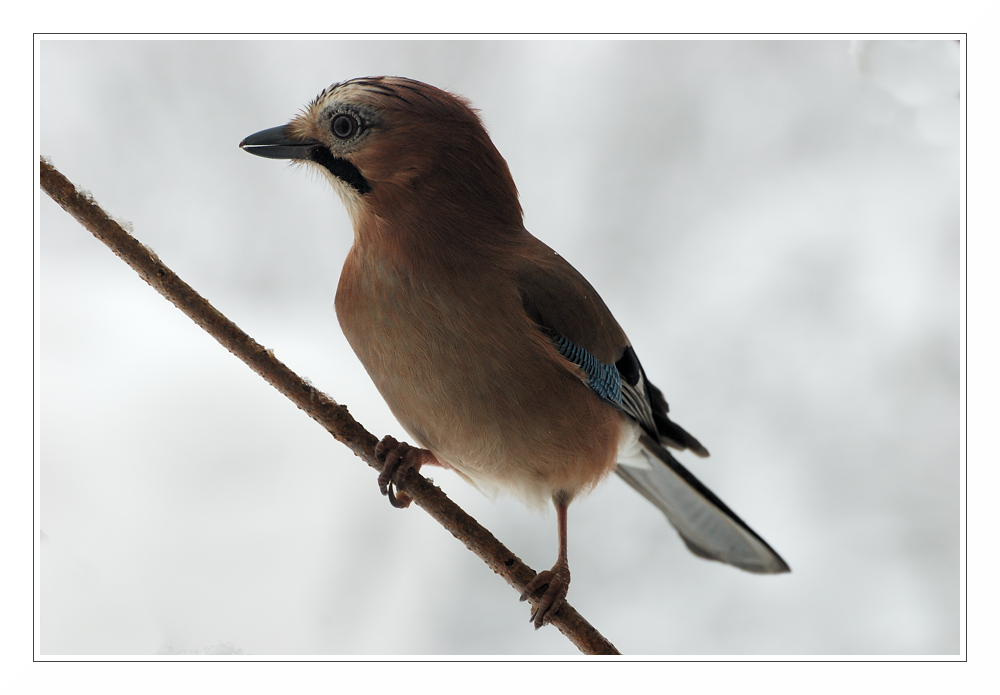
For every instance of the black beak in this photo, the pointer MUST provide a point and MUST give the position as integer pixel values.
(274, 144)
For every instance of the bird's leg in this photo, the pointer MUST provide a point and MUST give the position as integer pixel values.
(398, 459)
(556, 580)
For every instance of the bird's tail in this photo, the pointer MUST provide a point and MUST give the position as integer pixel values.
(708, 527)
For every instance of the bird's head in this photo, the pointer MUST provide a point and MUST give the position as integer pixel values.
(398, 150)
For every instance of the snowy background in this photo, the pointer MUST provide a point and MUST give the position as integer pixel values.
(775, 224)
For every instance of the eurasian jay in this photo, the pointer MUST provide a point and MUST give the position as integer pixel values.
(496, 356)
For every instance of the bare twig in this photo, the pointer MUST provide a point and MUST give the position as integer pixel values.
(314, 402)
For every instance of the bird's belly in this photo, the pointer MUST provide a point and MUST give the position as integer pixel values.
(494, 403)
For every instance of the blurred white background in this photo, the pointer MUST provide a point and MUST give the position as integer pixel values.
(775, 224)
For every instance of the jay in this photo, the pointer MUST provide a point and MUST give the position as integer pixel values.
(497, 357)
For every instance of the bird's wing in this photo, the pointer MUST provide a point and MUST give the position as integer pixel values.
(566, 308)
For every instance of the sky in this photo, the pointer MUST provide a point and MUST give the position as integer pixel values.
(775, 224)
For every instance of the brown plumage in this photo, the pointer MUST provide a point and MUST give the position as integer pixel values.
(495, 355)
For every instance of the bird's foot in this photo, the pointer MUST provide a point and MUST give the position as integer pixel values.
(556, 581)
(398, 459)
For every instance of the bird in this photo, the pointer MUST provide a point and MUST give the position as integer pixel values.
(498, 358)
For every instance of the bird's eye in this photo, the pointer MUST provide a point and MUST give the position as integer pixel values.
(344, 126)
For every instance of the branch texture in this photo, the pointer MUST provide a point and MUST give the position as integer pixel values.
(314, 402)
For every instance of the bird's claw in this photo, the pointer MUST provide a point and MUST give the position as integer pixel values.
(398, 459)
(556, 581)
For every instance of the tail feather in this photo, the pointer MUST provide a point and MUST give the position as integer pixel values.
(708, 527)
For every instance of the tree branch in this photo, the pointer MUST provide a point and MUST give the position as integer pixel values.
(315, 403)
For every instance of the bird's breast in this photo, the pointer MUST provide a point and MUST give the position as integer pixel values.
(470, 377)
